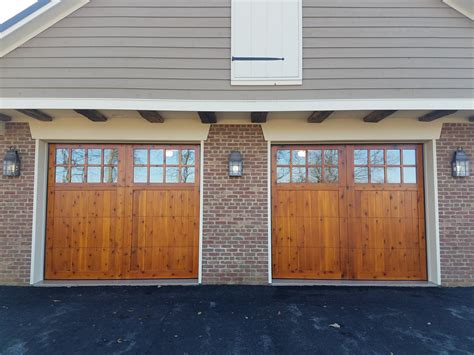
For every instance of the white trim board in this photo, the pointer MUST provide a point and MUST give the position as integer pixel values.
(36, 23)
(236, 105)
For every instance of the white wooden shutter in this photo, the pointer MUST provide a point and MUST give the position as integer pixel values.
(267, 42)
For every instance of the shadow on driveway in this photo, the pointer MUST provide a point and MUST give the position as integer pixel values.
(236, 320)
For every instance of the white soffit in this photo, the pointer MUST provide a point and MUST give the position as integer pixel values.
(465, 7)
(36, 22)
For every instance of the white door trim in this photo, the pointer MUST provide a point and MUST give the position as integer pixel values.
(38, 243)
(431, 210)
(201, 208)
(269, 206)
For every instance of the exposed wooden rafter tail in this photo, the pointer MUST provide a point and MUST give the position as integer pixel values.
(258, 117)
(377, 116)
(434, 115)
(208, 117)
(5, 118)
(152, 116)
(319, 116)
(93, 115)
(36, 114)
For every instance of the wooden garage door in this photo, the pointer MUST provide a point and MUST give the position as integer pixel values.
(122, 212)
(348, 212)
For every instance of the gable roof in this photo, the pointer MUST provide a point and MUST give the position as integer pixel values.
(465, 7)
(34, 19)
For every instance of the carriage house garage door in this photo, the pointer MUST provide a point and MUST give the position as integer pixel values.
(348, 212)
(122, 212)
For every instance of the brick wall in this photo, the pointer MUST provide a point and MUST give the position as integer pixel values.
(235, 240)
(456, 207)
(16, 207)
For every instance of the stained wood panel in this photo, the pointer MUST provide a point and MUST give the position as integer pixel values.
(349, 228)
(121, 229)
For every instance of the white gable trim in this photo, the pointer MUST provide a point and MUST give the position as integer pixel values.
(36, 23)
(465, 7)
(235, 105)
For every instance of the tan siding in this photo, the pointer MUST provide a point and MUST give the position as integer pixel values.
(180, 50)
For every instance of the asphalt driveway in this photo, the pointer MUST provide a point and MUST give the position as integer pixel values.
(236, 320)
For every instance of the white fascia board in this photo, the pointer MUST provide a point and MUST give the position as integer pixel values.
(36, 23)
(465, 7)
(236, 105)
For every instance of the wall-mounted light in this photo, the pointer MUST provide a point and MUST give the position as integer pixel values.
(11, 163)
(460, 164)
(236, 165)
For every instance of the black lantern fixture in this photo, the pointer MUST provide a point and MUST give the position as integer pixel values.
(236, 165)
(460, 164)
(11, 163)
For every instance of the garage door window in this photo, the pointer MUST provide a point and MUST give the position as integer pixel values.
(307, 166)
(85, 164)
(385, 165)
(162, 165)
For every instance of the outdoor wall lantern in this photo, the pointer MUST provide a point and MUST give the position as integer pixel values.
(236, 165)
(460, 163)
(11, 163)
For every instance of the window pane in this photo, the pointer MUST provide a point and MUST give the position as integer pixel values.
(94, 156)
(110, 174)
(77, 174)
(283, 175)
(409, 157)
(298, 175)
(172, 157)
(187, 157)
(315, 157)
(393, 157)
(78, 156)
(377, 175)
(361, 175)
(299, 157)
(140, 157)
(314, 175)
(62, 156)
(360, 157)
(393, 176)
(140, 175)
(376, 157)
(409, 175)
(331, 157)
(172, 175)
(61, 175)
(93, 174)
(156, 157)
(187, 175)
(156, 175)
(283, 157)
(331, 174)
(110, 156)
